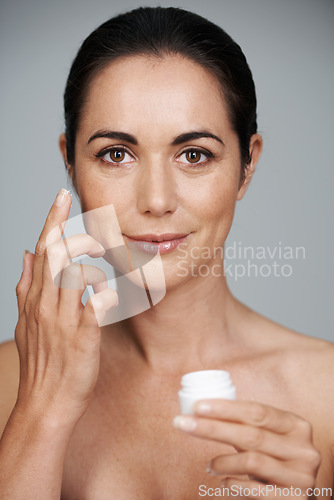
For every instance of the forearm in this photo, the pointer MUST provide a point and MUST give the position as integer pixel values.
(32, 454)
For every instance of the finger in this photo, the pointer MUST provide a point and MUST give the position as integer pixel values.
(61, 253)
(74, 280)
(96, 308)
(78, 276)
(51, 232)
(243, 437)
(99, 287)
(247, 412)
(249, 488)
(263, 467)
(23, 285)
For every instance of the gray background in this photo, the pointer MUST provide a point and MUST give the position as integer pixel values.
(289, 46)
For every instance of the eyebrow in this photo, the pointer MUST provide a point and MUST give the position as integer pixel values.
(180, 139)
(189, 136)
(112, 134)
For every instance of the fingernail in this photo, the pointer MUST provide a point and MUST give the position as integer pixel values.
(102, 249)
(61, 197)
(203, 408)
(184, 423)
(100, 252)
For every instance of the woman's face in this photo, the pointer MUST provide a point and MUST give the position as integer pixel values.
(162, 179)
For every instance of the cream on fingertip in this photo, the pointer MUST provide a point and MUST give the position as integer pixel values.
(62, 197)
(210, 471)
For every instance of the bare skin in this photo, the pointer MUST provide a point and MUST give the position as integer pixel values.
(110, 408)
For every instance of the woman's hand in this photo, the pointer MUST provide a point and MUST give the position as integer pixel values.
(274, 447)
(58, 339)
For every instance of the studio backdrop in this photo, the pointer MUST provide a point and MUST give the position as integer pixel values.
(278, 256)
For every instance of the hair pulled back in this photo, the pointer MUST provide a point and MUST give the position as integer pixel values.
(159, 31)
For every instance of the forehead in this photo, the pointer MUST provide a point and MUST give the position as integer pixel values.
(138, 91)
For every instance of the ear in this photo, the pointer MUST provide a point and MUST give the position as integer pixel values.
(255, 148)
(63, 150)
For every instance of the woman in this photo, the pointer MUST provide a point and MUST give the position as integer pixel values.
(160, 114)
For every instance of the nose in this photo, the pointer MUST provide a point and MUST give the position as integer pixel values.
(156, 189)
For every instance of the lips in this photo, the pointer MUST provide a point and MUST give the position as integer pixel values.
(158, 237)
(154, 243)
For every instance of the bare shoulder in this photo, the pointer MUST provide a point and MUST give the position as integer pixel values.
(310, 361)
(299, 353)
(304, 363)
(307, 368)
(271, 337)
(9, 380)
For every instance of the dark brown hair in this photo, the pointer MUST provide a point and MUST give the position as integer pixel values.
(159, 31)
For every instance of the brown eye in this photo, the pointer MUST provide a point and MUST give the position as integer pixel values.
(193, 156)
(196, 157)
(116, 155)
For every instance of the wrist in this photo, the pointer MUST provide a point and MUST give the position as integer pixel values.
(43, 420)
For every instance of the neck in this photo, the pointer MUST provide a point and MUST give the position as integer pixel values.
(189, 329)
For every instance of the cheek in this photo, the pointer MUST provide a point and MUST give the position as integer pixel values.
(215, 200)
(100, 190)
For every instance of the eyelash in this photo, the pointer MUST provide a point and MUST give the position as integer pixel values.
(205, 152)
